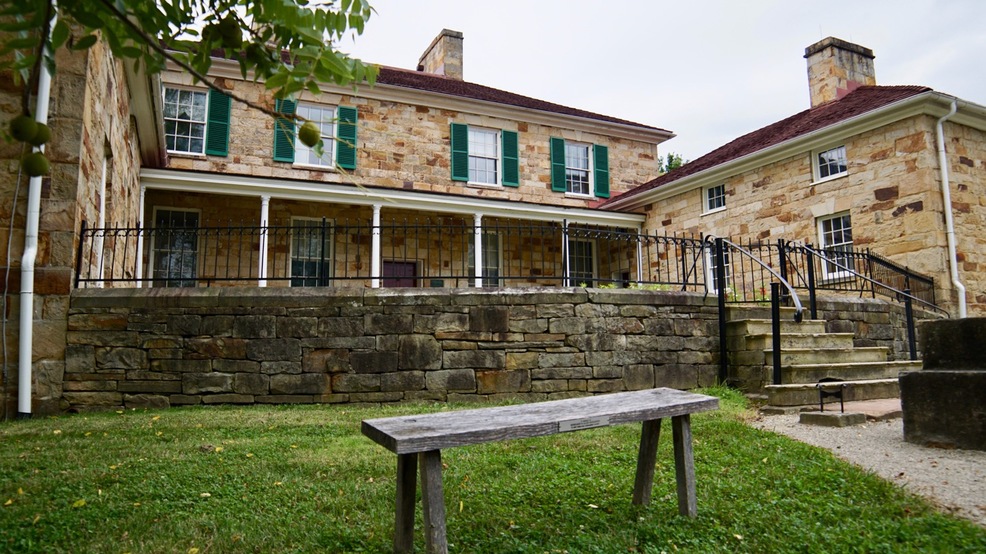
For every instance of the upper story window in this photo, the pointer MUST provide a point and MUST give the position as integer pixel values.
(715, 198)
(581, 169)
(184, 120)
(324, 118)
(577, 169)
(337, 126)
(196, 121)
(484, 156)
(830, 163)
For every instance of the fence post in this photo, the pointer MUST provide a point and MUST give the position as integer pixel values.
(812, 304)
(721, 295)
(782, 261)
(775, 329)
(909, 313)
(78, 254)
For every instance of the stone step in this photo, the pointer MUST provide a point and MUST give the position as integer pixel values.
(803, 394)
(791, 340)
(812, 373)
(795, 356)
(763, 327)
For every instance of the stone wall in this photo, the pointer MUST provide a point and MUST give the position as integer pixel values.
(966, 149)
(172, 347)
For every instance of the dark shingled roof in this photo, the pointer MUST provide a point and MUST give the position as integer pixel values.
(443, 85)
(862, 100)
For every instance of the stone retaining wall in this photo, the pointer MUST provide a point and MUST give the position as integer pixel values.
(170, 347)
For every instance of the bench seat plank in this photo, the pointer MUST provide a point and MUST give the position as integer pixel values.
(421, 433)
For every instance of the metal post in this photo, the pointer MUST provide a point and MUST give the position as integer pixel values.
(78, 254)
(909, 312)
(812, 304)
(721, 294)
(321, 276)
(775, 329)
(782, 260)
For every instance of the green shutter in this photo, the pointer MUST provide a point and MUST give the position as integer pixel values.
(600, 155)
(346, 137)
(511, 166)
(217, 126)
(460, 151)
(284, 131)
(558, 165)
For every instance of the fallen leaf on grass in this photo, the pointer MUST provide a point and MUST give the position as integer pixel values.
(79, 503)
(57, 431)
(205, 495)
(8, 502)
(738, 537)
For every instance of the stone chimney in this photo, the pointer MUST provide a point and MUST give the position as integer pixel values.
(836, 68)
(444, 56)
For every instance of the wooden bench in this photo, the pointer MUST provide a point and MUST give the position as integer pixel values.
(419, 439)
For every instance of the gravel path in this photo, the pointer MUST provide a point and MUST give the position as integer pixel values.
(954, 480)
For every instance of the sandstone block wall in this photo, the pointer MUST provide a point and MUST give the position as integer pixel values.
(171, 347)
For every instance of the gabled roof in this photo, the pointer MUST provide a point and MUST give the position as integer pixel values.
(439, 84)
(860, 101)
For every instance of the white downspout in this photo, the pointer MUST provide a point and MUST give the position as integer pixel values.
(478, 249)
(25, 351)
(262, 258)
(946, 194)
(101, 225)
(140, 239)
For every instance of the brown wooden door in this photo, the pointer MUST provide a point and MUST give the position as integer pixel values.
(400, 274)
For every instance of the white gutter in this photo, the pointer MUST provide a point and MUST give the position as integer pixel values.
(25, 352)
(946, 194)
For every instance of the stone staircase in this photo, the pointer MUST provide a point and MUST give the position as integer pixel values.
(808, 354)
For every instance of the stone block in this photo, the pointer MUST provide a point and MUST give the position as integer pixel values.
(274, 350)
(340, 327)
(255, 327)
(101, 399)
(96, 385)
(279, 367)
(607, 372)
(831, 419)
(185, 325)
(217, 326)
(355, 382)
(97, 322)
(402, 381)
(441, 323)
(216, 347)
(251, 383)
(235, 366)
(146, 401)
(567, 326)
(954, 344)
(496, 382)
(376, 397)
(181, 366)
(604, 385)
(185, 399)
(227, 399)
(549, 385)
(944, 408)
(639, 377)
(682, 377)
(104, 338)
(474, 359)
(494, 319)
(419, 352)
(80, 358)
(386, 324)
(205, 383)
(459, 380)
(373, 362)
(521, 360)
(285, 399)
(533, 325)
(598, 342)
(551, 311)
(121, 358)
(565, 359)
(325, 360)
(297, 327)
(596, 310)
(305, 383)
(162, 387)
(141, 375)
(561, 373)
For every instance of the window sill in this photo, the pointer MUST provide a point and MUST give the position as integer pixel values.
(480, 185)
(579, 196)
(190, 155)
(311, 167)
(829, 178)
(715, 211)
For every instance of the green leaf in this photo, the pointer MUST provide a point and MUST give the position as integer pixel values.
(84, 42)
(59, 34)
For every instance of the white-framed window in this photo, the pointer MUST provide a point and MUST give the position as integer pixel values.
(174, 247)
(835, 238)
(491, 260)
(713, 277)
(577, 172)
(830, 163)
(714, 198)
(185, 116)
(581, 262)
(324, 117)
(484, 156)
(311, 252)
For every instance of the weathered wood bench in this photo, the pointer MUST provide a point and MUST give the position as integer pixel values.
(420, 439)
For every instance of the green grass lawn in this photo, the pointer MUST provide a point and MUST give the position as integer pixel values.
(303, 479)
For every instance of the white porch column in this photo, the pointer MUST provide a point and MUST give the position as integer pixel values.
(140, 239)
(478, 248)
(640, 256)
(101, 224)
(262, 258)
(566, 281)
(375, 252)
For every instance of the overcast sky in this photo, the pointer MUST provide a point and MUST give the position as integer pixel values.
(709, 71)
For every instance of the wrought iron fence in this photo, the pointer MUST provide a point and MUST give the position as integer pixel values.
(439, 252)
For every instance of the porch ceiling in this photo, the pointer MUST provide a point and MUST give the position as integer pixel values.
(239, 185)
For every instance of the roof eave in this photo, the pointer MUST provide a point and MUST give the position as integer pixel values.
(930, 103)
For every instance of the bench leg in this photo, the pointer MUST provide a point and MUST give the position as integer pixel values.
(646, 460)
(433, 502)
(684, 465)
(407, 474)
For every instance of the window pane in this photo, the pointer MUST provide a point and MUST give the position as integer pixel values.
(324, 118)
(715, 197)
(577, 168)
(175, 252)
(483, 155)
(184, 120)
(837, 244)
(581, 263)
(311, 249)
(832, 162)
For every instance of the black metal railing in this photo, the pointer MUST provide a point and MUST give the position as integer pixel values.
(438, 252)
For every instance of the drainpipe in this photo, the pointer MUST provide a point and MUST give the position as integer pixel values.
(139, 271)
(947, 200)
(375, 248)
(477, 250)
(262, 258)
(101, 224)
(26, 344)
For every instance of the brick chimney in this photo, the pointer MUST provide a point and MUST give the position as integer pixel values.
(444, 56)
(836, 68)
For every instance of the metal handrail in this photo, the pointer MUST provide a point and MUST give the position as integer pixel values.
(900, 293)
(799, 310)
